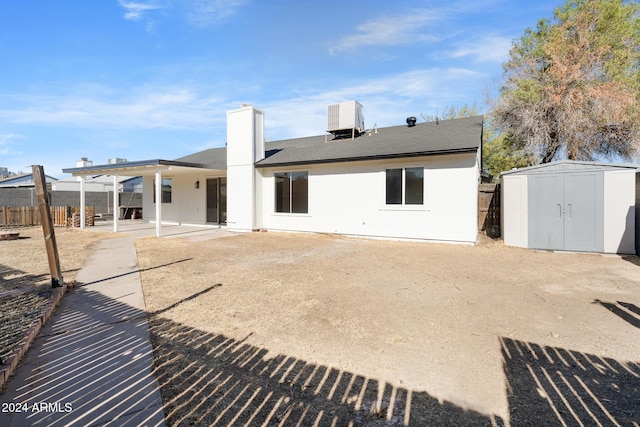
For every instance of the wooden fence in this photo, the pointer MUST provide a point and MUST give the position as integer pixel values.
(62, 216)
(489, 209)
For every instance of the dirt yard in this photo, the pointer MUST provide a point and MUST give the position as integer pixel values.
(24, 267)
(294, 329)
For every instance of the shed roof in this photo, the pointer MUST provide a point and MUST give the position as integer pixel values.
(570, 166)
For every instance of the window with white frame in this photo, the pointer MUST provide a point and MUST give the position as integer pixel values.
(292, 192)
(405, 186)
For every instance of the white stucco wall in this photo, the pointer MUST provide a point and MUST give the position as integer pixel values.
(349, 198)
(188, 204)
(514, 211)
(619, 211)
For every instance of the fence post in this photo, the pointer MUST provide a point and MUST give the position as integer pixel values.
(47, 227)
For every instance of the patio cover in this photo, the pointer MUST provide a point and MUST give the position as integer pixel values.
(135, 168)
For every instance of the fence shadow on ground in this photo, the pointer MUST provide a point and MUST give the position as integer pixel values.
(212, 379)
(11, 278)
(555, 386)
(627, 311)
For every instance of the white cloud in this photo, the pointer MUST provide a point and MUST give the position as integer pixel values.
(202, 13)
(199, 13)
(387, 101)
(389, 31)
(156, 108)
(135, 11)
(485, 48)
(6, 144)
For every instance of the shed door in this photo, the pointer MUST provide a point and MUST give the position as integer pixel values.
(565, 212)
(546, 201)
(580, 218)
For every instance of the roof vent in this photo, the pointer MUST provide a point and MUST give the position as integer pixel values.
(346, 119)
(411, 121)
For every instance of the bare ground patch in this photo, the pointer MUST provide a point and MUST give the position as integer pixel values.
(25, 283)
(268, 328)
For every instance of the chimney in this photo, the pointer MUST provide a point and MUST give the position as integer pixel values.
(411, 121)
(245, 146)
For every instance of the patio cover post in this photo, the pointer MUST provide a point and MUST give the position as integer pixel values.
(158, 189)
(116, 204)
(82, 202)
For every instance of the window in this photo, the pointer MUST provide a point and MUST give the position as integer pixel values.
(166, 190)
(405, 186)
(292, 192)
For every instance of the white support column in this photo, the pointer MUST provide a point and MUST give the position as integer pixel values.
(116, 204)
(82, 203)
(158, 190)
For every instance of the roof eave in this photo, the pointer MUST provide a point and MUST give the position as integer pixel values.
(365, 158)
(132, 167)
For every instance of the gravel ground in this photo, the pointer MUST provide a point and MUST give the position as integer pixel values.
(25, 283)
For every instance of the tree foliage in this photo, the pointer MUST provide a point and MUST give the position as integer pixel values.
(572, 84)
(500, 152)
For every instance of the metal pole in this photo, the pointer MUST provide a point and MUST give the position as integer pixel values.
(83, 203)
(47, 227)
(158, 190)
(116, 204)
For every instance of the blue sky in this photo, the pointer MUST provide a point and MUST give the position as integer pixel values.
(147, 79)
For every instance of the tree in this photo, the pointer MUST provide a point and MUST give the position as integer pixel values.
(499, 151)
(572, 85)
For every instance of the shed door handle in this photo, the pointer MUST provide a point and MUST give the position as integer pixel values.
(559, 210)
(569, 209)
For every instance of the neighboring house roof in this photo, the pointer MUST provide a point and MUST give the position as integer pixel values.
(444, 137)
(22, 180)
(570, 165)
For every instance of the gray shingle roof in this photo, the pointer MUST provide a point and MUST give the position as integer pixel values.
(447, 136)
(213, 158)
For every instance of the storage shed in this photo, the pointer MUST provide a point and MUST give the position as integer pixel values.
(572, 206)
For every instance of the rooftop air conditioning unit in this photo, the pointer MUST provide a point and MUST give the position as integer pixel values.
(84, 162)
(346, 119)
(116, 160)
